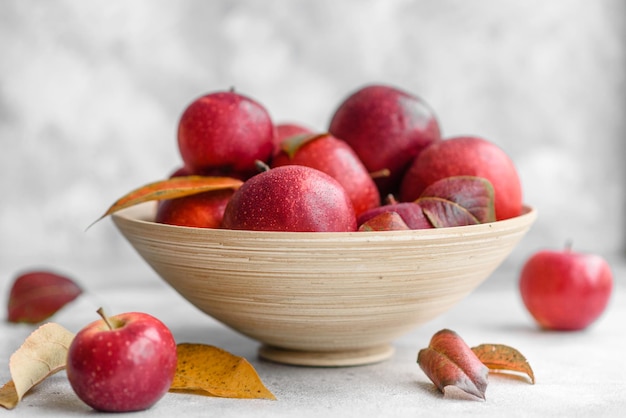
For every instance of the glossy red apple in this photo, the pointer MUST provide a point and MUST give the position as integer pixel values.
(335, 158)
(290, 198)
(203, 210)
(467, 156)
(387, 127)
(224, 133)
(122, 363)
(565, 290)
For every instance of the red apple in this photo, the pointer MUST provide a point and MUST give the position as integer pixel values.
(202, 210)
(224, 133)
(335, 158)
(565, 290)
(467, 156)
(387, 128)
(123, 363)
(290, 198)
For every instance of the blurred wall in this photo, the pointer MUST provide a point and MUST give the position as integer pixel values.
(91, 92)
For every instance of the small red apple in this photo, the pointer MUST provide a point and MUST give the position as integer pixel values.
(291, 198)
(122, 363)
(387, 127)
(224, 133)
(202, 210)
(335, 158)
(466, 156)
(565, 290)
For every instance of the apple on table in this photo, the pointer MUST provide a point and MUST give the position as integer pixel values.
(122, 363)
(564, 289)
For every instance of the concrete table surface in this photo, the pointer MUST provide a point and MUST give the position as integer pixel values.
(578, 374)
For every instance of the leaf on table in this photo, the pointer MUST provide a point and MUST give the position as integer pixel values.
(37, 295)
(43, 353)
(449, 361)
(458, 201)
(209, 370)
(172, 188)
(503, 358)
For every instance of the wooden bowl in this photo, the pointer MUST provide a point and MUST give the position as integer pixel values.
(317, 298)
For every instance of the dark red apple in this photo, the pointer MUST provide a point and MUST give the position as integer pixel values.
(387, 128)
(224, 133)
(290, 198)
(335, 158)
(467, 156)
(565, 290)
(203, 210)
(123, 363)
(410, 212)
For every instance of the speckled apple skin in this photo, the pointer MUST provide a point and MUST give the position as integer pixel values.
(291, 198)
(125, 369)
(225, 133)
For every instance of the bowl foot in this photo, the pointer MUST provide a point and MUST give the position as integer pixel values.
(356, 357)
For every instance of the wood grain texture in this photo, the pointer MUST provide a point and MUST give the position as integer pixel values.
(322, 292)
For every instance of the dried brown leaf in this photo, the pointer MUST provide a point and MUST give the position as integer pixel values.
(503, 358)
(209, 370)
(43, 353)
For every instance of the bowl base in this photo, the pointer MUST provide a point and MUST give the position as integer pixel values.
(357, 357)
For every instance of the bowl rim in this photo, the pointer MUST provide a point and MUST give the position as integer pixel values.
(143, 215)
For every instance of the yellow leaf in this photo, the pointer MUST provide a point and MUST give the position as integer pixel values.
(43, 353)
(208, 370)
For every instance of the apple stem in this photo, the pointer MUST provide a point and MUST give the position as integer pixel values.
(261, 166)
(391, 199)
(380, 173)
(568, 245)
(106, 318)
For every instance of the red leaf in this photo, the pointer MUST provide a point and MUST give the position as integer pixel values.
(172, 188)
(459, 201)
(448, 361)
(387, 221)
(37, 295)
(502, 357)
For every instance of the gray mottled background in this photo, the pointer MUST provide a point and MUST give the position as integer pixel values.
(91, 93)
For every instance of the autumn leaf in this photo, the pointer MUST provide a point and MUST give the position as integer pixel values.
(448, 361)
(208, 370)
(172, 188)
(458, 201)
(386, 221)
(37, 295)
(503, 358)
(43, 353)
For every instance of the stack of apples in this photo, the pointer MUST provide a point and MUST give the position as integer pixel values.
(366, 170)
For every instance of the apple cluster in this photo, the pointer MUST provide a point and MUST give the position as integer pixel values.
(381, 149)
